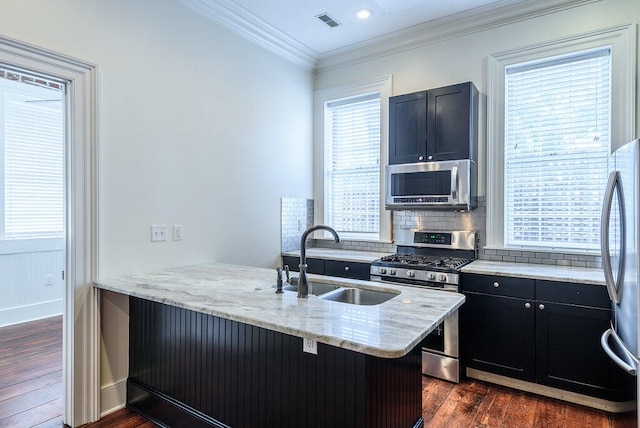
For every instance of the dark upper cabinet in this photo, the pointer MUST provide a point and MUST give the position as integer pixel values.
(408, 128)
(434, 125)
(452, 122)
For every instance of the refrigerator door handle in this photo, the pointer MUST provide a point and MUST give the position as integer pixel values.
(612, 185)
(629, 363)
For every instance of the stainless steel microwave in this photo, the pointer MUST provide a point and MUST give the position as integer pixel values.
(432, 185)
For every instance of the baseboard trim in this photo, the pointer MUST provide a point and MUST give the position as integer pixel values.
(113, 397)
(36, 311)
(164, 410)
(547, 391)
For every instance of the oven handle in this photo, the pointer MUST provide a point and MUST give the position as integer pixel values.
(438, 286)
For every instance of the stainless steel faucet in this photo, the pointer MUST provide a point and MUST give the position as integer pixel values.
(303, 286)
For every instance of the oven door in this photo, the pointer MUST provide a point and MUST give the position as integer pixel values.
(441, 351)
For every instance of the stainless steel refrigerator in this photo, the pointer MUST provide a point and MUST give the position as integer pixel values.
(619, 241)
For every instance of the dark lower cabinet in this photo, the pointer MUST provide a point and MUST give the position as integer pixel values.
(340, 268)
(545, 332)
(188, 369)
(569, 355)
(313, 265)
(496, 335)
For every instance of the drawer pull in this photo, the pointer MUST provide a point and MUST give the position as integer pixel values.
(347, 268)
(527, 305)
(541, 307)
(496, 284)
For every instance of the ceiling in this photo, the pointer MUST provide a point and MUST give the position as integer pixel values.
(297, 19)
(292, 29)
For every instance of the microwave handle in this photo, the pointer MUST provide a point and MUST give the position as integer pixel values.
(454, 182)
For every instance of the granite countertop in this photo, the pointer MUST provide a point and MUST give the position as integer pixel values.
(245, 294)
(537, 271)
(339, 254)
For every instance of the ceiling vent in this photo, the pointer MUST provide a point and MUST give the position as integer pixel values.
(328, 20)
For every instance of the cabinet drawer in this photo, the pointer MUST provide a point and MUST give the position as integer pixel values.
(313, 265)
(572, 293)
(347, 269)
(498, 285)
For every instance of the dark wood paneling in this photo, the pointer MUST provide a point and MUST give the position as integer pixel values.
(244, 376)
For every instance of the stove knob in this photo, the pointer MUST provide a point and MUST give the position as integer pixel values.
(442, 277)
(411, 273)
(392, 271)
(382, 270)
(431, 276)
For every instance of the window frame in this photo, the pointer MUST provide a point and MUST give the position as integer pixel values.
(622, 41)
(383, 85)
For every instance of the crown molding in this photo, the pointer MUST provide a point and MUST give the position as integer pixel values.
(239, 20)
(460, 24)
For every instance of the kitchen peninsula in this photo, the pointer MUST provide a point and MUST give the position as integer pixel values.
(214, 345)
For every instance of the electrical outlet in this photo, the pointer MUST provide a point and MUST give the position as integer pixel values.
(310, 346)
(177, 232)
(48, 280)
(158, 232)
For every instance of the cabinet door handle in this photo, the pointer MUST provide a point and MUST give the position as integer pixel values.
(430, 157)
(541, 306)
(496, 284)
(347, 268)
(420, 157)
(527, 305)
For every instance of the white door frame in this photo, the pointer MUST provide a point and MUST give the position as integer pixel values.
(81, 338)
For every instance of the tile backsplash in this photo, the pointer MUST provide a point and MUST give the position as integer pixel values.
(294, 214)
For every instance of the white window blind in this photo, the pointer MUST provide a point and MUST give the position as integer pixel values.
(33, 166)
(557, 144)
(352, 165)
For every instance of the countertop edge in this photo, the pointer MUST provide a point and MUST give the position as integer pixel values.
(387, 351)
(570, 274)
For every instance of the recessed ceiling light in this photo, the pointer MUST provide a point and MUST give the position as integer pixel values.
(363, 13)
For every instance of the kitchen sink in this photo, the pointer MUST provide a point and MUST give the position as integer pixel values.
(315, 288)
(358, 296)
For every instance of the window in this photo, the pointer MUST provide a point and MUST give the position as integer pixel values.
(352, 165)
(556, 146)
(32, 149)
(350, 149)
(553, 121)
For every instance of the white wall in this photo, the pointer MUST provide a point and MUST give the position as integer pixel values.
(463, 58)
(27, 293)
(197, 126)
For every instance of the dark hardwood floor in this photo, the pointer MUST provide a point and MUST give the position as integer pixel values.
(31, 374)
(31, 393)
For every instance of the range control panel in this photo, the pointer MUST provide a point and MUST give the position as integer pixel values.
(441, 238)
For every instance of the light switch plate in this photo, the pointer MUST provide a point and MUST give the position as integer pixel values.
(310, 346)
(177, 232)
(158, 232)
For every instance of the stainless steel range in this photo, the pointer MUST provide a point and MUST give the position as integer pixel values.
(431, 259)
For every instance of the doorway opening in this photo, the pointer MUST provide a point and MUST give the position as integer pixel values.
(80, 320)
(32, 247)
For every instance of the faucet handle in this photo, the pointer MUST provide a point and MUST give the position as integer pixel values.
(279, 282)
